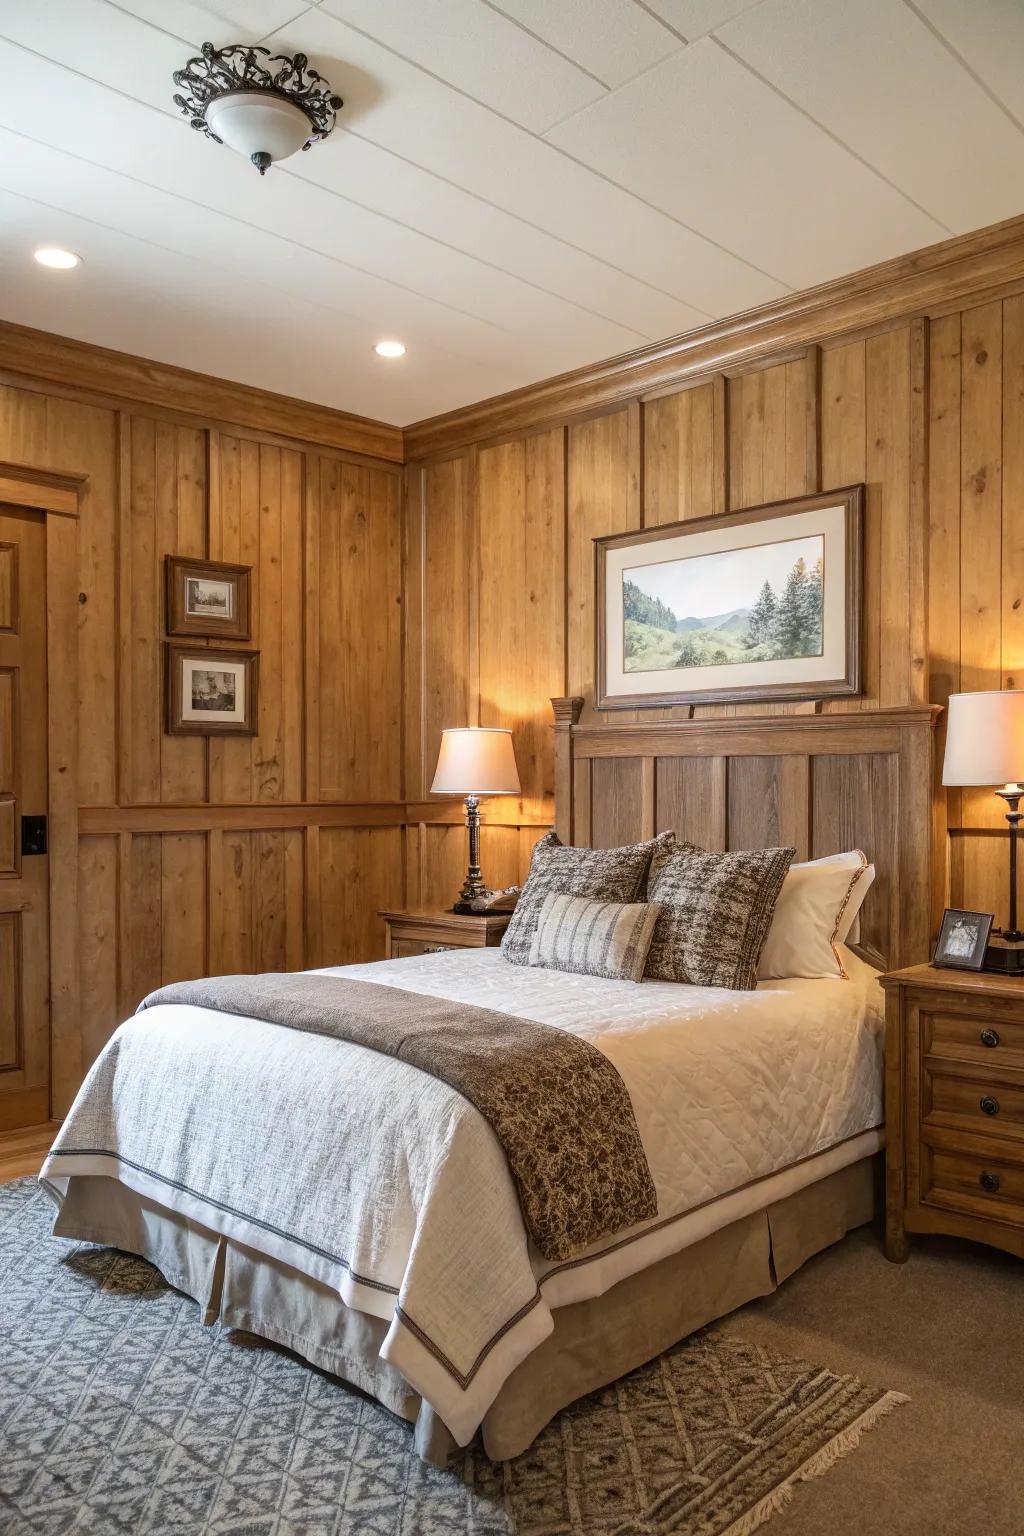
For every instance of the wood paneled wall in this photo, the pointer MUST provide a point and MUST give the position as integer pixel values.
(382, 617)
(927, 411)
(202, 855)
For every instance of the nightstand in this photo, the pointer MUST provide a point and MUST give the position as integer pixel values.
(424, 933)
(954, 1088)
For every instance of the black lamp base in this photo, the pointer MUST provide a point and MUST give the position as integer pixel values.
(1005, 956)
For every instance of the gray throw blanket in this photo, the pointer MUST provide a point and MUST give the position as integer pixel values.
(557, 1105)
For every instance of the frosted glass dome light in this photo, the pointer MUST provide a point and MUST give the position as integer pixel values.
(261, 127)
(265, 106)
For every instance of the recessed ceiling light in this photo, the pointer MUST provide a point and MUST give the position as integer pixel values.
(56, 256)
(389, 349)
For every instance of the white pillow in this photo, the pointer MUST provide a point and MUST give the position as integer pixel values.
(814, 914)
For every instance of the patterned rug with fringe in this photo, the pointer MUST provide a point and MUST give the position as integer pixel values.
(120, 1413)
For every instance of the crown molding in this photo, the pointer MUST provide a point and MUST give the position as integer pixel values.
(924, 282)
(81, 366)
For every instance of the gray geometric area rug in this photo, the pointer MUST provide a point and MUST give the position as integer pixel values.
(121, 1414)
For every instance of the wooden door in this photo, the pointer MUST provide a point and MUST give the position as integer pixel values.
(24, 896)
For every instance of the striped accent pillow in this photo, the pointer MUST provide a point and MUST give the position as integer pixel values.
(594, 938)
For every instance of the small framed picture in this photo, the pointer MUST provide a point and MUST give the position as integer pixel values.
(962, 939)
(206, 597)
(212, 693)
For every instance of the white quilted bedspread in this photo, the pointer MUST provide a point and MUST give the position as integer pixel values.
(726, 1086)
(388, 1186)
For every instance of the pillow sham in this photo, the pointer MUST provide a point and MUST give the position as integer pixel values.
(602, 874)
(717, 909)
(593, 938)
(814, 914)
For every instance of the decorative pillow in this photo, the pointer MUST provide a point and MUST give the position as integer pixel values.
(594, 938)
(717, 910)
(814, 914)
(602, 874)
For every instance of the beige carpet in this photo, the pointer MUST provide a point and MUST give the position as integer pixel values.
(947, 1328)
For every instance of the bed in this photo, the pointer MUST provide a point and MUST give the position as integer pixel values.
(360, 1212)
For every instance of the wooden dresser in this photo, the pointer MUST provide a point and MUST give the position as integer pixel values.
(424, 933)
(954, 1083)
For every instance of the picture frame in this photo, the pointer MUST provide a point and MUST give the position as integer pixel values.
(208, 598)
(761, 604)
(963, 939)
(212, 692)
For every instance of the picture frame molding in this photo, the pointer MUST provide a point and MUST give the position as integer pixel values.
(851, 497)
(176, 726)
(178, 569)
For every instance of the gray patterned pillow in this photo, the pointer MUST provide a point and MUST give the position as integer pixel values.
(603, 874)
(594, 938)
(716, 912)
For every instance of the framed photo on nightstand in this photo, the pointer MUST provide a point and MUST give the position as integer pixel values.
(962, 939)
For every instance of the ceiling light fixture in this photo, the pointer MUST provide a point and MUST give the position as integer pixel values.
(55, 256)
(389, 349)
(235, 97)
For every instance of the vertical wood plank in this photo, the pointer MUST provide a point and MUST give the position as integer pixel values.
(602, 480)
(684, 459)
(521, 496)
(888, 544)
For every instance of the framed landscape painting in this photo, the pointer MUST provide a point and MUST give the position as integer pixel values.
(212, 693)
(762, 604)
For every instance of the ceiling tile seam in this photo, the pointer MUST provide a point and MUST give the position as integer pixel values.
(954, 53)
(401, 223)
(828, 132)
(515, 22)
(158, 245)
(640, 5)
(539, 229)
(290, 23)
(350, 266)
(578, 111)
(494, 266)
(538, 138)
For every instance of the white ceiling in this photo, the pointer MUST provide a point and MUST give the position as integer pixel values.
(515, 188)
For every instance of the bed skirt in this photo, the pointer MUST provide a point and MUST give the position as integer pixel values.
(594, 1341)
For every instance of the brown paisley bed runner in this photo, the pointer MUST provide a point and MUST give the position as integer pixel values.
(556, 1104)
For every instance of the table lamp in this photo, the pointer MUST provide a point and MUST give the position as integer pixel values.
(985, 746)
(474, 761)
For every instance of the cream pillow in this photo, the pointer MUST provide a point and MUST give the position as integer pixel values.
(814, 914)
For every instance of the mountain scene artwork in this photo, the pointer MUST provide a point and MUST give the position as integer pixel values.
(758, 603)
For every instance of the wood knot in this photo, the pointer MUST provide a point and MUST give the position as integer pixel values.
(981, 358)
(980, 480)
(1016, 602)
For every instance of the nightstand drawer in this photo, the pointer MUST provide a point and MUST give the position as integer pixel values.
(401, 949)
(996, 1041)
(977, 1186)
(981, 1102)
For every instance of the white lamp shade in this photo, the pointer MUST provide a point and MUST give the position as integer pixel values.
(984, 738)
(255, 122)
(476, 761)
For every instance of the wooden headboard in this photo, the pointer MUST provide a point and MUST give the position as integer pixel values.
(821, 783)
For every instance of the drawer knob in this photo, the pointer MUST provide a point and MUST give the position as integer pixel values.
(989, 1037)
(989, 1105)
(989, 1182)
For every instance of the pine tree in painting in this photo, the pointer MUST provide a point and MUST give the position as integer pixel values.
(762, 617)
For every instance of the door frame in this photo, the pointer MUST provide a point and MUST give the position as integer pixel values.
(59, 497)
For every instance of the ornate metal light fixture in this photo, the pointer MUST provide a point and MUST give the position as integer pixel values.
(236, 97)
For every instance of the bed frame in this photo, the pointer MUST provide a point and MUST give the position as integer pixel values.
(822, 783)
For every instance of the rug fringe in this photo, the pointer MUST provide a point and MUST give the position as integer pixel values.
(817, 1465)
